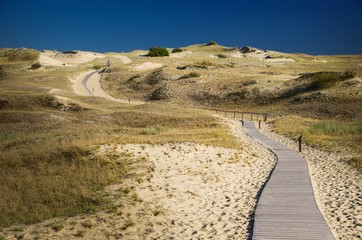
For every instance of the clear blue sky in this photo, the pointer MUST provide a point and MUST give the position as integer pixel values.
(309, 26)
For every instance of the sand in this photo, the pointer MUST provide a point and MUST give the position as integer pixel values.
(174, 191)
(93, 88)
(193, 191)
(55, 58)
(337, 187)
(147, 66)
(124, 59)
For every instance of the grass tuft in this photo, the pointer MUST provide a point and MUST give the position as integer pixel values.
(190, 75)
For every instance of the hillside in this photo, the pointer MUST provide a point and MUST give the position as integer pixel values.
(82, 166)
(243, 78)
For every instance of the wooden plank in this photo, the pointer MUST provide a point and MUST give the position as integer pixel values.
(287, 208)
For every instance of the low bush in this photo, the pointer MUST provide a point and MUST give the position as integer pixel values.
(211, 43)
(35, 66)
(177, 50)
(221, 56)
(158, 52)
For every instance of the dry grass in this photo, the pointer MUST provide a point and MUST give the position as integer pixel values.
(50, 161)
(49, 165)
(327, 134)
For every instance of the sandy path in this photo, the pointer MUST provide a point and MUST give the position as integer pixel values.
(337, 187)
(88, 84)
(174, 191)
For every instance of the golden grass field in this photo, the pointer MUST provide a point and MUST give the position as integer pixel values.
(50, 163)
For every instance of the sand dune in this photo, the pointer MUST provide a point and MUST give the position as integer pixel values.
(187, 191)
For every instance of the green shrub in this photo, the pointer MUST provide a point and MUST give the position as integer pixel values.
(158, 52)
(177, 50)
(211, 43)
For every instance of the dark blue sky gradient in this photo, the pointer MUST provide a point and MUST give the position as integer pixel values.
(308, 26)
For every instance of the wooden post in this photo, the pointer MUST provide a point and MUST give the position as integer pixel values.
(265, 117)
(259, 123)
(242, 123)
(300, 143)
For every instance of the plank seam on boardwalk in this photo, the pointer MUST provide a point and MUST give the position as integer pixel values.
(286, 207)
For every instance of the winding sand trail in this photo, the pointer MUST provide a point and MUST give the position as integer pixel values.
(88, 84)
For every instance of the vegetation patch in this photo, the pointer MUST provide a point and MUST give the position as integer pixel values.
(35, 66)
(20, 54)
(161, 93)
(221, 56)
(158, 52)
(330, 135)
(177, 50)
(190, 75)
(248, 83)
(41, 182)
(211, 43)
(316, 81)
(322, 80)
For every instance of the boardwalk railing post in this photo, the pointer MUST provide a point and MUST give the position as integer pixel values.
(265, 117)
(300, 143)
(259, 123)
(242, 123)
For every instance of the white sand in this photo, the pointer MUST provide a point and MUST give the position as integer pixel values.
(337, 187)
(279, 60)
(147, 66)
(54, 58)
(124, 59)
(93, 88)
(187, 191)
(183, 54)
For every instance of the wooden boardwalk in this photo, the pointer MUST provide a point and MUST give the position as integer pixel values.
(287, 208)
